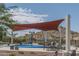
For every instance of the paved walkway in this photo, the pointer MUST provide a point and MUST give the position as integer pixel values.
(32, 51)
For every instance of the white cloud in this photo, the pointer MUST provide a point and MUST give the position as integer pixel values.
(27, 16)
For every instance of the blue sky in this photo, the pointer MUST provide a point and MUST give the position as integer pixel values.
(54, 11)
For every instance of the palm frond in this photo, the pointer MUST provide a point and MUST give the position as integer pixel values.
(2, 8)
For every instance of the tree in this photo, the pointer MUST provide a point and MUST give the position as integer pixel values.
(5, 20)
(2, 8)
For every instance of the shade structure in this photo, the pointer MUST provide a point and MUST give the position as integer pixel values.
(45, 26)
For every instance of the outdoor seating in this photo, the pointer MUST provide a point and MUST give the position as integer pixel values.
(73, 53)
(16, 48)
(56, 53)
(11, 47)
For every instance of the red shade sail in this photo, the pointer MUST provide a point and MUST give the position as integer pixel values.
(53, 25)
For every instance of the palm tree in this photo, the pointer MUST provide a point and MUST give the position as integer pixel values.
(2, 8)
(5, 19)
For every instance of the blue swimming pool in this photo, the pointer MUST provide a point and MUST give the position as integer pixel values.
(31, 46)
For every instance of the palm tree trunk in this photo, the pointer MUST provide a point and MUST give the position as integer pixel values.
(2, 32)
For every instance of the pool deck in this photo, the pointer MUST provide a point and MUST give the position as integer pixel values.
(28, 52)
(5, 51)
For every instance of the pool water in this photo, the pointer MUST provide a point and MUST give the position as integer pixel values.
(31, 46)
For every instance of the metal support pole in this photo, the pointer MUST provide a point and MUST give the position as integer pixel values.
(31, 36)
(68, 34)
(60, 32)
(12, 38)
(45, 37)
